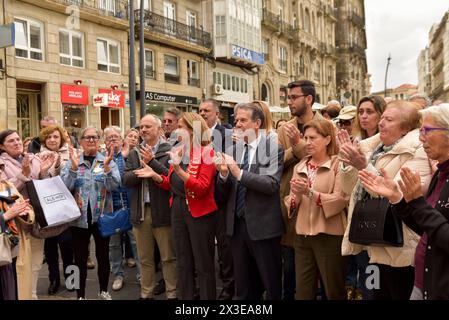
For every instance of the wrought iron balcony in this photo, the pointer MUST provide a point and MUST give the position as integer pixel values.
(172, 78)
(112, 8)
(172, 28)
(287, 30)
(194, 82)
(270, 20)
(358, 20)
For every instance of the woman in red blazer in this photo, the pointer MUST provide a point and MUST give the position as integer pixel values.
(191, 179)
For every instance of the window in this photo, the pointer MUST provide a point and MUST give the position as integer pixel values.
(245, 86)
(266, 48)
(171, 68)
(307, 21)
(149, 64)
(295, 21)
(170, 15)
(29, 39)
(301, 66)
(283, 58)
(108, 56)
(217, 78)
(233, 83)
(317, 72)
(220, 30)
(107, 5)
(146, 5)
(193, 73)
(71, 48)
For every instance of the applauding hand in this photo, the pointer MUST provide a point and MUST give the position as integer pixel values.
(381, 185)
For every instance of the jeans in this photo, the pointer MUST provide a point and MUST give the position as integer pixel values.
(116, 253)
(356, 275)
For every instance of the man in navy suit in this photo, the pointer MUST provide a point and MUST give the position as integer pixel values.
(210, 110)
(251, 179)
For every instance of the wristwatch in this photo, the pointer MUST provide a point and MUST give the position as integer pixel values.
(310, 194)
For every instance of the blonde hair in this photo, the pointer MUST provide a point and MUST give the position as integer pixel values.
(268, 122)
(189, 118)
(409, 111)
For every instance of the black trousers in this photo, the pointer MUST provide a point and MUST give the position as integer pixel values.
(64, 241)
(224, 250)
(81, 239)
(195, 250)
(396, 283)
(257, 265)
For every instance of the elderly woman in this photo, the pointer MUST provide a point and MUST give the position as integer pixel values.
(316, 198)
(395, 146)
(91, 177)
(54, 140)
(429, 215)
(191, 179)
(14, 212)
(18, 168)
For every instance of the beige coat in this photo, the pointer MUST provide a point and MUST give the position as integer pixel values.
(408, 152)
(329, 218)
(292, 155)
(23, 263)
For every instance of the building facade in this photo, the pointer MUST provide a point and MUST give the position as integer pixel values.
(403, 92)
(439, 59)
(351, 44)
(298, 41)
(424, 75)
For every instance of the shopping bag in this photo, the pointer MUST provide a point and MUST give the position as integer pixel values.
(52, 202)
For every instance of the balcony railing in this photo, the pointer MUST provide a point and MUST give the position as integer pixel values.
(357, 20)
(160, 24)
(112, 8)
(270, 19)
(194, 82)
(288, 30)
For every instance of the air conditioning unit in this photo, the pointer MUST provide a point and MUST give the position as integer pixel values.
(217, 89)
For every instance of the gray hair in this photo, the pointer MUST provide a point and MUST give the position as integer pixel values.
(155, 118)
(115, 129)
(214, 103)
(81, 134)
(440, 114)
(256, 112)
(174, 111)
(49, 119)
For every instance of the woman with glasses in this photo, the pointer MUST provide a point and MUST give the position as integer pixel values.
(91, 177)
(345, 120)
(396, 145)
(427, 215)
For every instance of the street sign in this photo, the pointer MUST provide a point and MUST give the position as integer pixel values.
(7, 35)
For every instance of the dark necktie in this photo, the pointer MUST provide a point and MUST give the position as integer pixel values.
(241, 189)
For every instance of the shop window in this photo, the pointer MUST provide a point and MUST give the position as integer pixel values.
(71, 48)
(109, 117)
(108, 56)
(74, 118)
(171, 69)
(29, 39)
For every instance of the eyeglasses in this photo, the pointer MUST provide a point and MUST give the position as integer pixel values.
(90, 138)
(424, 131)
(293, 97)
(344, 123)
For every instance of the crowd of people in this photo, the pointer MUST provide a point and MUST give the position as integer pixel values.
(274, 200)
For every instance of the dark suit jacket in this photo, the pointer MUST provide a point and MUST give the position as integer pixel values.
(263, 215)
(221, 140)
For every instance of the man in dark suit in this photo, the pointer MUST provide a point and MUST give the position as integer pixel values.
(210, 110)
(254, 220)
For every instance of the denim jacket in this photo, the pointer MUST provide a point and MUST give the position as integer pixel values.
(90, 183)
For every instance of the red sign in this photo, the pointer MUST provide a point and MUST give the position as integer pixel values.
(73, 94)
(116, 98)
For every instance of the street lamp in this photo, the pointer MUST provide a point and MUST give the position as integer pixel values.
(386, 73)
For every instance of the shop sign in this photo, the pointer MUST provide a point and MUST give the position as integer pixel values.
(115, 98)
(165, 97)
(73, 94)
(246, 54)
(100, 100)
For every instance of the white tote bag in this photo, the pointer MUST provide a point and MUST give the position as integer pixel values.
(52, 202)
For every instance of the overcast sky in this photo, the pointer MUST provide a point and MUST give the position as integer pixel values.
(399, 27)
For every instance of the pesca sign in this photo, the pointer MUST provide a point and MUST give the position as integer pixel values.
(115, 98)
(246, 54)
(73, 94)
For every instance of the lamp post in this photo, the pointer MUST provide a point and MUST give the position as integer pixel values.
(132, 68)
(386, 73)
(142, 59)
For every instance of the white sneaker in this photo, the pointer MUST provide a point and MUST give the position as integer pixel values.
(118, 283)
(104, 295)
